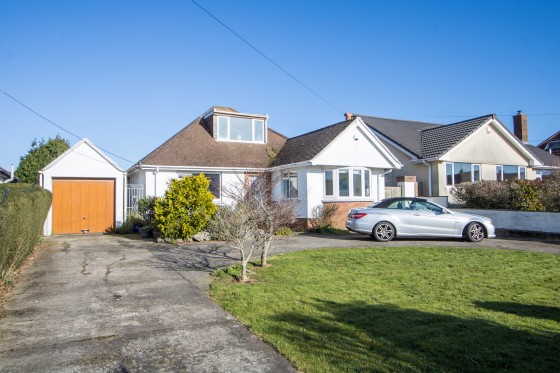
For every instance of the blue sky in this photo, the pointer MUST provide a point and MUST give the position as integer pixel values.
(129, 74)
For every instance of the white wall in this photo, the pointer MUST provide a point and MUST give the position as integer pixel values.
(83, 161)
(532, 221)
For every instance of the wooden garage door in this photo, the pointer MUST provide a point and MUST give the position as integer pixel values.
(80, 204)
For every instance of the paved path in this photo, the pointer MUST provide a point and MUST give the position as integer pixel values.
(116, 304)
(107, 304)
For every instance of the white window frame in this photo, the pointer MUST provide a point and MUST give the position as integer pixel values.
(501, 166)
(286, 176)
(336, 179)
(254, 122)
(453, 172)
(519, 172)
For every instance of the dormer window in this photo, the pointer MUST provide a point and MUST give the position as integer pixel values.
(240, 129)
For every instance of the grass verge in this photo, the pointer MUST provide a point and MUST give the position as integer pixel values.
(405, 309)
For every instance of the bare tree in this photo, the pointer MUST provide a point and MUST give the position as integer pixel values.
(253, 195)
(233, 225)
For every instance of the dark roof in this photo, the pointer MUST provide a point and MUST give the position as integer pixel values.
(554, 137)
(425, 140)
(438, 141)
(5, 175)
(195, 146)
(405, 133)
(545, 157)
(307, 146)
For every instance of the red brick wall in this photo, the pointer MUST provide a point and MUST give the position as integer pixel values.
(339, 220)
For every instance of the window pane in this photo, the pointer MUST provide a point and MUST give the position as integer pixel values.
(522, 173)
(476, 172)
(223, 128)
(285, 187)
(293, 185)
(240, 129)
(343, 183)
(449, 173)
(462, 172)
(510, 172)
(215, 183)
(259, 130)
(329, 187)
(357, 182)
(367, 179)
(499, 173)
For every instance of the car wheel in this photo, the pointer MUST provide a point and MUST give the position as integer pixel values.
(383, 232)
(474, 232)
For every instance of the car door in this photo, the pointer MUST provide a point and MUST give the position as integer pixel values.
(431, 220)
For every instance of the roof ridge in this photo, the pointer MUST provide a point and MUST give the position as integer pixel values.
(399, 120)
(461, 122)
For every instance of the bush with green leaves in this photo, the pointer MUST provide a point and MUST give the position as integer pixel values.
(522, 195)
(23, 209)
(130, 222)
(185, 209)
(146, 207)
(41, 154)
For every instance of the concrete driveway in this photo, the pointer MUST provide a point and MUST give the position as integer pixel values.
(116, 304)
(108, 304)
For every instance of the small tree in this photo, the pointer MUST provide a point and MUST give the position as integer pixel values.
(233, 225)
(41, 154)
(185, 209)
(253, 195)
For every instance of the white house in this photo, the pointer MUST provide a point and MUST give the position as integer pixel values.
(343, 163)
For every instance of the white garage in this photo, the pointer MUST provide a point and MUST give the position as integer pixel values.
(88, 191)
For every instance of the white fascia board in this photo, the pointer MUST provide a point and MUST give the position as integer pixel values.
(533, 161)
(199, 168)
(388, 140)
(76, 145)
(234, 114)
(290, 165)
(358, 122)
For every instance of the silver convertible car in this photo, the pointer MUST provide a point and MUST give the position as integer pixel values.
(417, 217)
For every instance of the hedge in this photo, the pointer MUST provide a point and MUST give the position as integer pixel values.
(520, 195)
(23, 209)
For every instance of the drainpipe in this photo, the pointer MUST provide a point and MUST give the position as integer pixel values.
(379, 183)
(125, 197)
(155, 181)
(429, 177)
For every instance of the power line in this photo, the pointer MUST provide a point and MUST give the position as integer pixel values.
(268, 58)
(57, 125)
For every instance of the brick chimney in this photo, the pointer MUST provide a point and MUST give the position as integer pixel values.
(349, 116)
(520, 126)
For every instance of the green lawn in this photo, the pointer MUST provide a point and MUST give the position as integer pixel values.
(405, 309)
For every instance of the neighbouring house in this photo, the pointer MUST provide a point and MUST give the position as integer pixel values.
(7, 176)
(442, 156)
(88, 191)
(552, 144)
(343, 163)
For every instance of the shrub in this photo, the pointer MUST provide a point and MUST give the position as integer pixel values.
(23, 209)
(146, 208)
(284, 231)
(132, 223)
(322, 215)
(185, 209)
(550, 192)
(525, 195)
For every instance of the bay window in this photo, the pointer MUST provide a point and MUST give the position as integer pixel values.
(347, 182)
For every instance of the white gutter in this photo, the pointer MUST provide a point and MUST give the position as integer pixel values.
(379, 183)
(429, 176)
